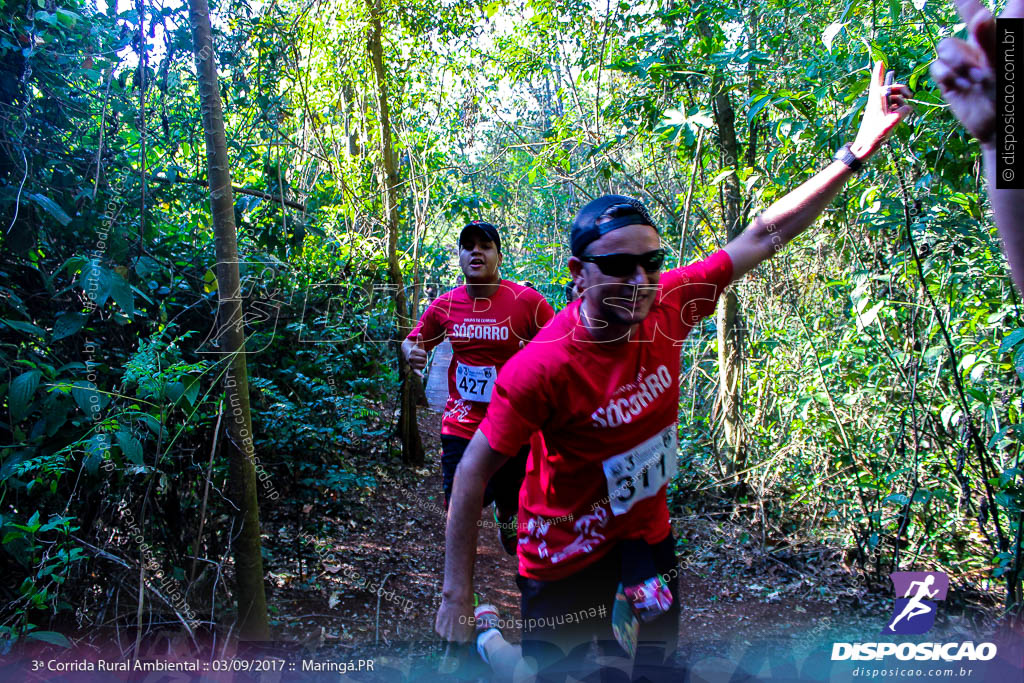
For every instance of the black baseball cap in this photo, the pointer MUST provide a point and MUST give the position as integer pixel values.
(486, 228)
(621, 210)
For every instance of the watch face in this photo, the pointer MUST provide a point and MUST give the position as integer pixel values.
(847, 157)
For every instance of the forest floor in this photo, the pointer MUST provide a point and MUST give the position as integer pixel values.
(739, 596)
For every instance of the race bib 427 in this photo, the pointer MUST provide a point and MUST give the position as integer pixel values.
(475, 382)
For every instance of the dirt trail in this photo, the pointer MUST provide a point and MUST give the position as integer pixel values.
(399, 546)
(736, 593)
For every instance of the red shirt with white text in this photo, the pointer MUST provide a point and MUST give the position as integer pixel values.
(485, 332)
(607, 412)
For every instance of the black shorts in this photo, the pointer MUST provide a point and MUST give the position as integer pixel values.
(503, 486)
(560, 648)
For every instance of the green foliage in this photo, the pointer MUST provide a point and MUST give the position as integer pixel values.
(884, 350)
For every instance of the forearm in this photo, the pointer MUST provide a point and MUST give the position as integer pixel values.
(785, 219)
(1008, 210)
(797, 211)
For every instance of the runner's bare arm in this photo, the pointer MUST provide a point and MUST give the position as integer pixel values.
(965, 73)
(478, 465)
(794, 213)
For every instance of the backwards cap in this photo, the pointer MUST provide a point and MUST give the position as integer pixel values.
(486, 228)
(621, 210)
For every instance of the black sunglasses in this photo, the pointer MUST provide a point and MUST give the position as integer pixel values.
(624, 265)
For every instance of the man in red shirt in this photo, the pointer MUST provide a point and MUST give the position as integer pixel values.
(487, 320)
(601, 384)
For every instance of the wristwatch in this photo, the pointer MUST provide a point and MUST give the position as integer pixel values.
(845, 155)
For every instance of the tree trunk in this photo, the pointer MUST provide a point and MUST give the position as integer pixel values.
(730, 342)
(408, 429)
(252, 602)
(349, 107)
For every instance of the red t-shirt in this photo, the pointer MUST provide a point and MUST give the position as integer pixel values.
(484, 333)
(607, 413)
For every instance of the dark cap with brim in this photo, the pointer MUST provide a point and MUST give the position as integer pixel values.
(622, 211)
(486, 228)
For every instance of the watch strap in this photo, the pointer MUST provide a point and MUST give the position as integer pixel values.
(846, 155)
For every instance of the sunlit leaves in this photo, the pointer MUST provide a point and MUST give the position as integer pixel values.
(830, 33)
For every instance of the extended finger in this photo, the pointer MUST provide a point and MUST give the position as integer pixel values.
(878, 73)
(982, 31)
(876, 92)
(968, 9)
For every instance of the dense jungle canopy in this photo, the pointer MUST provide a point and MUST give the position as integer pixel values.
(859, 393)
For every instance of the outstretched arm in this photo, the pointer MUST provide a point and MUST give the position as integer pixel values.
(965, 72)
(478, 465)
(794, 213)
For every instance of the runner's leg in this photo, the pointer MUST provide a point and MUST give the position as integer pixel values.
(503, 488)
(452, 448)
(918, 610)
(557, 643)
(659, 638)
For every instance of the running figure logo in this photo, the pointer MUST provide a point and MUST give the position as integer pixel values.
(914, 611)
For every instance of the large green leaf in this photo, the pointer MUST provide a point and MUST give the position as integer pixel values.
(152, 424)
(51, 637)
(192, 386)
(1018, 361)
(88, 398)
(51, 207)
(95, 281)
(1011, 340)
(21, 393)
(121, 292)
(96, 449)
(20, 326)
(67, 324)
(130, 446)
(173, 391)
(55, 410)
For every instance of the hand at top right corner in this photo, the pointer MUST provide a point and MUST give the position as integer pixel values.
(965, 70)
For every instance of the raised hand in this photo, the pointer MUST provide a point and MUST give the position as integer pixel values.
(965, 73)
(965, 70)
(886, 107)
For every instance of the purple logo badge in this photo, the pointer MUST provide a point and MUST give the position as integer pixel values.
(914, 611)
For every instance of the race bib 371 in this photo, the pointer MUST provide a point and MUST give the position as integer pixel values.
(640, 472)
